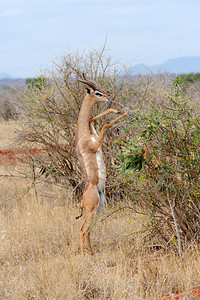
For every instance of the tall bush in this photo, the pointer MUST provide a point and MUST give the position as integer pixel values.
(162, 163)
(52, 106)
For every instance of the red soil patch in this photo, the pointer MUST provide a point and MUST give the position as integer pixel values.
(194, 292)
(18, 155)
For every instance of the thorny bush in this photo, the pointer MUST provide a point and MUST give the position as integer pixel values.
(161, 163)
(53, 103)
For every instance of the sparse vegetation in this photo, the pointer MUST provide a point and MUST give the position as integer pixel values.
(40, 258)
(147, 240)
(9, 103)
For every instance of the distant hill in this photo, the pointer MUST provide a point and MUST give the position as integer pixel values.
(174, 66)
(6, 75)
(12, 82)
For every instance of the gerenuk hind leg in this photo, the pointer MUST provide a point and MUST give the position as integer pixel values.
(90, 202)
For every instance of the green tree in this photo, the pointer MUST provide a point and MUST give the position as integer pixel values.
(38, 83)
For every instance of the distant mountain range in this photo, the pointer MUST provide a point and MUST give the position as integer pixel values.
(174, 66)
(6, 76)
(9, 80)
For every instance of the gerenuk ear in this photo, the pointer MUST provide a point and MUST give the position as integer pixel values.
(88, 90)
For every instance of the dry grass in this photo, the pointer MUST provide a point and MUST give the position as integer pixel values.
(40, 255)
(7, 133)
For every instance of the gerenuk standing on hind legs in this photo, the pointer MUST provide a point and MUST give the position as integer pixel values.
(89, 154)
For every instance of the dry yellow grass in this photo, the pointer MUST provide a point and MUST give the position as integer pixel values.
(40, 255)
(7, 133)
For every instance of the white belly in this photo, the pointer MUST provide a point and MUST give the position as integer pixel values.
(101, 170)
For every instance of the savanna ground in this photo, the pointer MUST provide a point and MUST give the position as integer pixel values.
(40, 255)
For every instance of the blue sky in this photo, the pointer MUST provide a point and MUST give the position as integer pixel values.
(34, 32)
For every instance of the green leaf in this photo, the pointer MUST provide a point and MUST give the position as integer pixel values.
(171, 187)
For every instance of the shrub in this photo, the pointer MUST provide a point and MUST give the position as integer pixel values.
(162, 161)
(188, 77)
(52, 107)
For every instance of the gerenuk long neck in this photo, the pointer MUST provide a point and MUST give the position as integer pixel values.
(84, 117)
